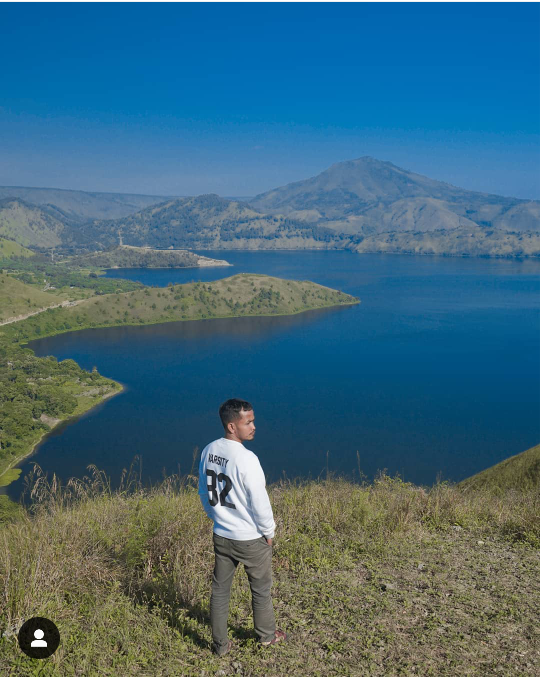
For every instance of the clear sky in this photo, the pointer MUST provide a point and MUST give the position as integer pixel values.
(238, 98)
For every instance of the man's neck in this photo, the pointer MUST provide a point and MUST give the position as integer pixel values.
(233, 438)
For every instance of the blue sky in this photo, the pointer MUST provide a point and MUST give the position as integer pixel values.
(238, 98)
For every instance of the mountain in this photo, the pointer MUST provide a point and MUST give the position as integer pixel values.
(79, 205)
(371, 196)
(470, 240)
(31, 226)
(205, 222)
(365, 205)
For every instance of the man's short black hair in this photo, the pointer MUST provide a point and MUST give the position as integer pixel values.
(230, 410)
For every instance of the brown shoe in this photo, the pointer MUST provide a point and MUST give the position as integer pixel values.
(229, 647)
(279, 635)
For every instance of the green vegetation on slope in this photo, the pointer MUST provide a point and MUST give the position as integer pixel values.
(10, 249)
(17, 298)
(29, 225)
(35, 391)
(64, 279)
(236, 296)
(205, 222)
(35, 394)
(379, 579)
(518, 472)
(125, 256)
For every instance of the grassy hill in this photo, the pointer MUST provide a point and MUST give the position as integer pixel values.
(518, 472)
(17, 298)
(29, 225)
(236, 296)
(10, 249)
(63, 279)
(375, 579)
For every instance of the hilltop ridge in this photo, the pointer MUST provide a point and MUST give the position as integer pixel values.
(364, 205)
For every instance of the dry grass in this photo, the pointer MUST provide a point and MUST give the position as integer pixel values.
(374, 579)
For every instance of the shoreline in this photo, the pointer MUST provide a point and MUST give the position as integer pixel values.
(19, 459)
(209, 265)
(354, 251)
(12, 465)
(25, 342)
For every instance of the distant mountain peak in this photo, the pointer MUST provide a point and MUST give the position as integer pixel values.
(378, 195)
(363, 160)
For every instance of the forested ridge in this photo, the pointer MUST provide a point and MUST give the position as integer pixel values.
(143, 257)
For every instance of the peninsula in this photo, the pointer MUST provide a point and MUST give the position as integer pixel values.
(38, 393)
(128, 256)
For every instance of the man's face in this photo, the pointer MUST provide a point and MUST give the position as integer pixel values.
(244, 427)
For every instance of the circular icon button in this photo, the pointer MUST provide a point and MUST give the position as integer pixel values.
(39, 637)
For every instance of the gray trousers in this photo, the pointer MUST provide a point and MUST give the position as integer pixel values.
(256, 556)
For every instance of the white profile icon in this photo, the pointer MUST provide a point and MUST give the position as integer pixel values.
(39, 641)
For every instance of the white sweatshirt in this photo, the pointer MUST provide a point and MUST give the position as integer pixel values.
(232, 488)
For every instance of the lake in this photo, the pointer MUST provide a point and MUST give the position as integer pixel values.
(434, 374)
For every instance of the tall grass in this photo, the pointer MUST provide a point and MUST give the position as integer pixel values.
(84, 554)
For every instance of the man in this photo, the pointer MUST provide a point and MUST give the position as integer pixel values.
(232, 488)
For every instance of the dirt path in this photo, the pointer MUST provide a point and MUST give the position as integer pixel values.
(41, 310)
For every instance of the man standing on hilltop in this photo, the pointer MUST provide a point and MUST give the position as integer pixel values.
(232, 488)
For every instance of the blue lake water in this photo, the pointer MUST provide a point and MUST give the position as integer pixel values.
(435, 373)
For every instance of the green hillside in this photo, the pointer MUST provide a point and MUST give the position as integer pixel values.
(63, 279)
(29, 225)
(240, 295)
(36, 393)
(374, 579)
(519, 472)
(17, 298)
(10, 248)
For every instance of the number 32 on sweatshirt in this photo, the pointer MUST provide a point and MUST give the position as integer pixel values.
(236, 500)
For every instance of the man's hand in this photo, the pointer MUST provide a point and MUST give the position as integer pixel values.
(269, 540)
